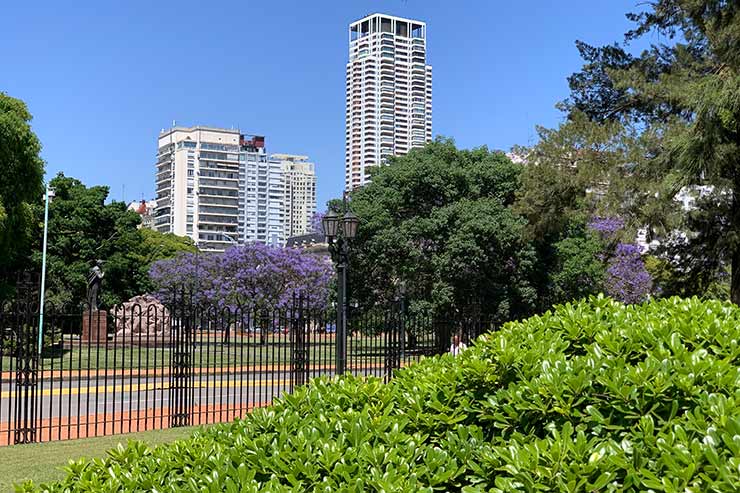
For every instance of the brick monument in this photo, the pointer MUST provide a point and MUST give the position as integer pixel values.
(95, 326)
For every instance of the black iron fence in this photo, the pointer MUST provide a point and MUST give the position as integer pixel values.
(144, 365)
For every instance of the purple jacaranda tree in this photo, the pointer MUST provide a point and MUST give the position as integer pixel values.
(627, 278)
(256, 276)
(248, 277)
(607, 227)
(186, 275)
(317, 224)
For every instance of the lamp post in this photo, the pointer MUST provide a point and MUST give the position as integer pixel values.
(48, 195)
(340, 230)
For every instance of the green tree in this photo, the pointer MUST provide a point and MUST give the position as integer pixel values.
(686, 92)
(21, 185)
(437, 224)
(579, 268)
(588, 168)
(84, 228)
(579, 171)
(154, 246)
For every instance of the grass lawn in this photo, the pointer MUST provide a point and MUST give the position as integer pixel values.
(41, 462)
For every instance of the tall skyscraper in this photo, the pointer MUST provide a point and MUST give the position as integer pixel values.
(220, 188)
(389, 93)
(198, 185)
(300, 193)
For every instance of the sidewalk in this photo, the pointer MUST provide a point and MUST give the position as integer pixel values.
(69, 428)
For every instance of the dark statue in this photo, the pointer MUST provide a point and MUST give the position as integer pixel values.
(94, 280)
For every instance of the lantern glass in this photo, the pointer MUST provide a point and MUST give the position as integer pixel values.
(331, 224)
(350, 224)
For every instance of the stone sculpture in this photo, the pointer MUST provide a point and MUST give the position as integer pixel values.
(140, 318)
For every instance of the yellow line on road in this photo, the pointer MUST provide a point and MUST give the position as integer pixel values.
(109, 389)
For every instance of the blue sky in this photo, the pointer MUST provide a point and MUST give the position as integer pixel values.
(102, 78)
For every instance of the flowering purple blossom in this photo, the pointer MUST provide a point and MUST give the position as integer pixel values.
(606, 227)
(317, 224)
(247, 277)
(627, 278)
(189, 272)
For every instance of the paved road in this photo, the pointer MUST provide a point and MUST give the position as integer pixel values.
(85, 397)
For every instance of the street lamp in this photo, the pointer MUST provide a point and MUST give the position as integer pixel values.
(48, 195)
(331, 224)
(339, 231)
(350, 223)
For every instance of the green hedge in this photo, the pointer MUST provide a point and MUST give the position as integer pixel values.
(595, 396)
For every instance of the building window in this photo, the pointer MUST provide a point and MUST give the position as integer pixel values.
(385, 25)
(402, 29)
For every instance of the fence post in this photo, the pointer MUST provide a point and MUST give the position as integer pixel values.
(298, 354)
(393, 331)
(181, 382)
(341, 331)
(26, 368)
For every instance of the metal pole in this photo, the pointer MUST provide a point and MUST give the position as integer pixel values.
(43, 270)
(341, 333)
(345, 315)
(402, 321)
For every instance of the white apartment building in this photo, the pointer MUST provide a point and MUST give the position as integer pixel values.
(262, 200)
(389, 93)
(221, 188)
(300, 193)
(197, 185)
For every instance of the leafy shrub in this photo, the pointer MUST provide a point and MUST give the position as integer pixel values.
(595, 396)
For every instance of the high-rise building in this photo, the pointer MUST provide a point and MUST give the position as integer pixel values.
(300, 193)
(220, 188)
(262, 201)
(389, 93)
(198, 185)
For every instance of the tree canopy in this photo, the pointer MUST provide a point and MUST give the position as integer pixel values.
(685, 91)
(246, 277)
(437, 226)
(84, 228)
(21, 186)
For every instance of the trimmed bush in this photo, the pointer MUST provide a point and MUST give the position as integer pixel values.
(595, 396)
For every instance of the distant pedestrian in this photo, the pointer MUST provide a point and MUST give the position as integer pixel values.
(457, 345)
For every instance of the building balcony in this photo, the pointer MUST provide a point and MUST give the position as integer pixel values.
(205, 183)
(215, 222)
